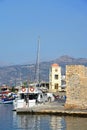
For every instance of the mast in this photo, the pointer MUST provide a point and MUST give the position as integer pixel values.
(37, 63)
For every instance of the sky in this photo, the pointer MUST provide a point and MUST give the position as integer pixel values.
(60, 24)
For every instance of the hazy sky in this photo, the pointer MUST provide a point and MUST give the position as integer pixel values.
(61, 25)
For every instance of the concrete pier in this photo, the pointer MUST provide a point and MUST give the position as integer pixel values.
(53, 108)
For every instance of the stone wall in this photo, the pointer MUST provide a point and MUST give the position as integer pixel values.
(76, 86)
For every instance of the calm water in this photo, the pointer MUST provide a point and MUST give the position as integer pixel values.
(10, 121)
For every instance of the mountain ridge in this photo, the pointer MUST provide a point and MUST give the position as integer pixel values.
(14, 74)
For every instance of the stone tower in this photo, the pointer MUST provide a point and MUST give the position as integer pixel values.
(76, 86)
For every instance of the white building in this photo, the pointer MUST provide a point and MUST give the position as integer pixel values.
(55, 78)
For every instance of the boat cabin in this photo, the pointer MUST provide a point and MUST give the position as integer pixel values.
(28, 97)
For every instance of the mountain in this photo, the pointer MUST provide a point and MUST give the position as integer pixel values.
(14, 74)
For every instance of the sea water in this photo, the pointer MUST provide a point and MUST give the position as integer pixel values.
(9, 120)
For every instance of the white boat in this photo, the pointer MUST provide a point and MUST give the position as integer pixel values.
(29, 97)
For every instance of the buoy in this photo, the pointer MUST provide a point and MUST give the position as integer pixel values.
(23, 89)
(32, 89)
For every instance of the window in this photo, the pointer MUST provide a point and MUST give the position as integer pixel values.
(56, 76)
(56, 86)
(40, 96)
(56, 70)
(22, 96)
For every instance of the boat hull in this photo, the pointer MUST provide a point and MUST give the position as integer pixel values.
(6, 101)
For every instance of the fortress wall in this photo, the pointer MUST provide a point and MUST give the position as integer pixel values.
(76, 86)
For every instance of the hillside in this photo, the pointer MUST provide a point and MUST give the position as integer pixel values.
(12, 75)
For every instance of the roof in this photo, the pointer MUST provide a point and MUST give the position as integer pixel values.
(55, 65)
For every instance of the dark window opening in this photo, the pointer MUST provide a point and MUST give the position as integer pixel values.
(56, 76)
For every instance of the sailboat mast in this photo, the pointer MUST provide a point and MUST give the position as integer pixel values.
(37, 62)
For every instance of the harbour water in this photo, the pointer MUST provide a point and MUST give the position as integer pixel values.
(9, 120)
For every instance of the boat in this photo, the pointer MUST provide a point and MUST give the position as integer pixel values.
(7, 99)
(30, 97)
(6, 96)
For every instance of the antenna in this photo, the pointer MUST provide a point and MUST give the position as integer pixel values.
(37, 62)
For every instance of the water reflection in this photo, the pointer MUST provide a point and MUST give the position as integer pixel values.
(39, 122)
(26, 122)
(58, 123)
(76, 123)
(43, 122)
(9, 120)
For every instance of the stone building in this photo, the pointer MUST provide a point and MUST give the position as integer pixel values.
(55, 78)
(76, 86)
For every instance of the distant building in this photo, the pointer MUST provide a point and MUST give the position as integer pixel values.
(55, 78)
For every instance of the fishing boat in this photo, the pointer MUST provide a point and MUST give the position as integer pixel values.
(6, 96)
(29, 97)
(32, 95)
(6, 100)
